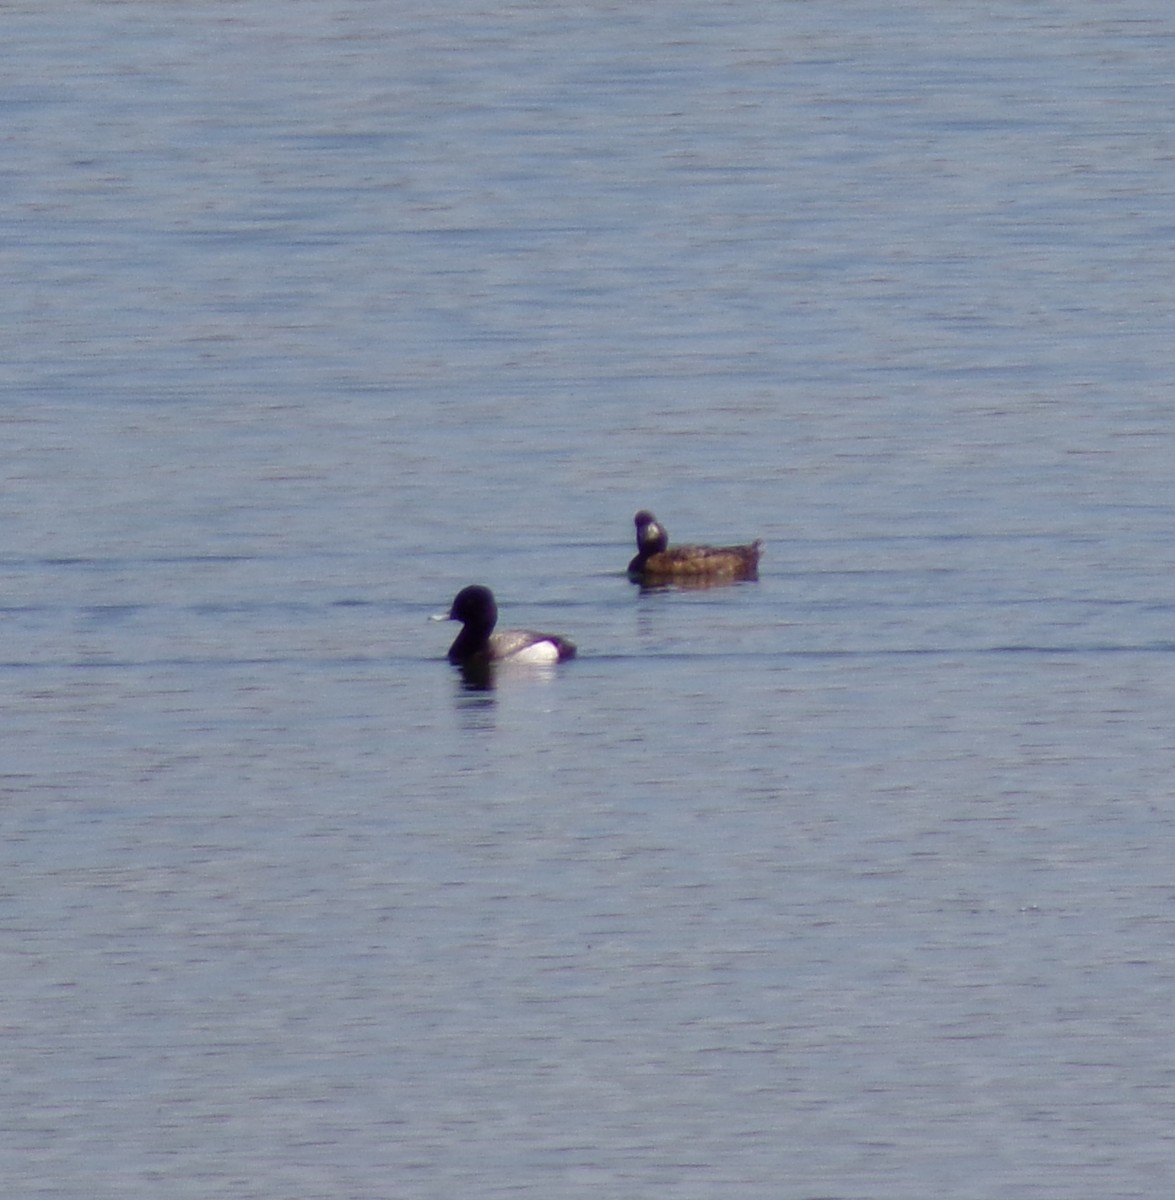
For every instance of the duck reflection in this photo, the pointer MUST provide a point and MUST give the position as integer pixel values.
(483, 676)
(692, 583)
(476, 676)
(475, 703)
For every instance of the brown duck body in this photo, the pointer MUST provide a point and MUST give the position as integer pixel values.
(657, 562)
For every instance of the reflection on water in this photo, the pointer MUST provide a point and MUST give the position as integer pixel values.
(475, 677)
(475, 702)
(694, 583)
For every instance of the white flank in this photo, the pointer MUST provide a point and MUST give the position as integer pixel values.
(540, 652)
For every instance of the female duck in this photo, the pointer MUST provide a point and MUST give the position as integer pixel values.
(656, 562)
(478, 645)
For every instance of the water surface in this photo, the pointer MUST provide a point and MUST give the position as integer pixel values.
(853, 882)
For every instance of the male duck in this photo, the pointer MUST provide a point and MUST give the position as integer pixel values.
(656, 562)
(478, 645)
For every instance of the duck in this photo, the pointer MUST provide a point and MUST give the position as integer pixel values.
(477, 645)
(656, 562)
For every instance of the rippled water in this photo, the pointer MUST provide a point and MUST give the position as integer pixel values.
(854, 882)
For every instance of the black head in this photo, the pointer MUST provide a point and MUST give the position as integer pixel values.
(475, 606)
(651, 535)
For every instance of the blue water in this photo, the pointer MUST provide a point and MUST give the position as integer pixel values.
(854, 883)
